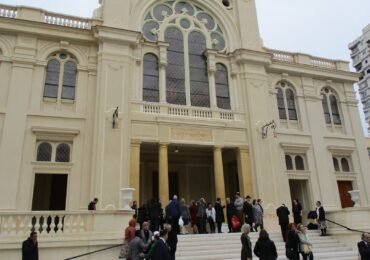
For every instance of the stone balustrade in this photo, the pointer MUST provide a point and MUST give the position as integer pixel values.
(8, 11)
(39, 15)
(46, 223)
(185, 111)
(305, 59)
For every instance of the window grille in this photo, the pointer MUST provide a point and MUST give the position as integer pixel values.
(150, 78)
(44, 152)
(286, 101)
(288, 162)
(222, 87)
(62, 153)
(52, 79)
(330, 107)
(299, 163)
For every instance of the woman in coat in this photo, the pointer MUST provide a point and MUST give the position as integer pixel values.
(220, 218)
(193, 209)
(185, 215)
(246, 253)
(265, 248)
(292, 243)
(257, 215)
(305, 244)
(297, 212)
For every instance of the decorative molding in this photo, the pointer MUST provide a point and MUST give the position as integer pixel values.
(295, 147)
(188, 134)
(53, 133)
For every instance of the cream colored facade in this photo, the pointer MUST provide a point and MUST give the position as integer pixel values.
(205, 147)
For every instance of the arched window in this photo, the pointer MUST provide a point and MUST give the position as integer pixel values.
(330, 106)
(199, 86)
(336, 164)
(52, 79)
(150, 78)
(286, 101)
(190, 31)
(61, 74)
(44, 152)
(299, 163)
(345, 165)
(175, 72)
(222, 87)
(62, 153)
(69, 80)
(288, 162)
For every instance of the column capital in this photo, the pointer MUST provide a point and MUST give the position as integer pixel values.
(217, 147)
(164, 144)
(243, 149)
(136, 142)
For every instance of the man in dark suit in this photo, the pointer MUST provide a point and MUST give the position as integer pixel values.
(161, 250)
(30, 249)
(174, 213)
(248, 212)
(364, 247)
(321, 218)
(283, 213)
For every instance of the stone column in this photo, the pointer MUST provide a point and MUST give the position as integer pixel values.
(244, 172)
(211, 61)
(162, 71)
(135, 169)
(163, 173)
(219, 173)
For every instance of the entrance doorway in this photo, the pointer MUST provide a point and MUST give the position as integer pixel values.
(345, 198)
(49, 192)
(299, 189)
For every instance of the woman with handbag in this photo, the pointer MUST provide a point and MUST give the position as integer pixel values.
(292, 243)
(211, 217)
(306, 245)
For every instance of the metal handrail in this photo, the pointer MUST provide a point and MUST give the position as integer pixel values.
(349, 229)
(93, 252)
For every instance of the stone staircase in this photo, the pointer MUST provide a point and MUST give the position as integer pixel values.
(227, 246)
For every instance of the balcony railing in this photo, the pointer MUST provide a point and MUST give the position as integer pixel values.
(8, 11)
(184, 111)
(26, 13)
(299, 58)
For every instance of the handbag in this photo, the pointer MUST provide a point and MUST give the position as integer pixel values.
(125, 250)
(181, 222)
(235, 222)
(306, 249)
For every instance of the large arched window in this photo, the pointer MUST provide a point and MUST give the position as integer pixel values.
(222, 87)
(330, 106)
(175, 73)
(61, 74)
(150, 78)
(190, 31)
(199, 86)
(44, 151)
(62, 153)
(286, 101)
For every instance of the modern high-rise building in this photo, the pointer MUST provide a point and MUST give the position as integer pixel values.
(360, 54)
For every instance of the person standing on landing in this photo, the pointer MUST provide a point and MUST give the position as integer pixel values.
(364, 246)
(248, 212)
(220, 218)
(238, 203)
(30, 249)
(321, 219)
(283, 213)
(297, 211)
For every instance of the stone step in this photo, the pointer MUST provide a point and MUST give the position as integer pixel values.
(227, 246)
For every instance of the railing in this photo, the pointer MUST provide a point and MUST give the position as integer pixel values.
(93, 252)
(67, 21)
(45, 223)
(8, 11)
(299, 58)
(184, 111)
(349, 229)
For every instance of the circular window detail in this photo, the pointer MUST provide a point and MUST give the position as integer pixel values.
(150, 30)
(226, 3)
(63, 56)
(207, 20)
(183, 7)
(160, 12)
(218, 41)
(185, 23)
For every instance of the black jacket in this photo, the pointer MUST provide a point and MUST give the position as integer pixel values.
(322, 214)
(219, 212)
(265, 250)
(364, 250)
(230, 209)
(161, 251)
(292, 240)
(283, 214)
(248, 211)
(30, 250)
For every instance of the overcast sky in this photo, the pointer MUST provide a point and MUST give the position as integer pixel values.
(318, 27)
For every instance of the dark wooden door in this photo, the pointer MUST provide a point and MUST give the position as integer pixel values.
(345, 197)
(173, 180)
